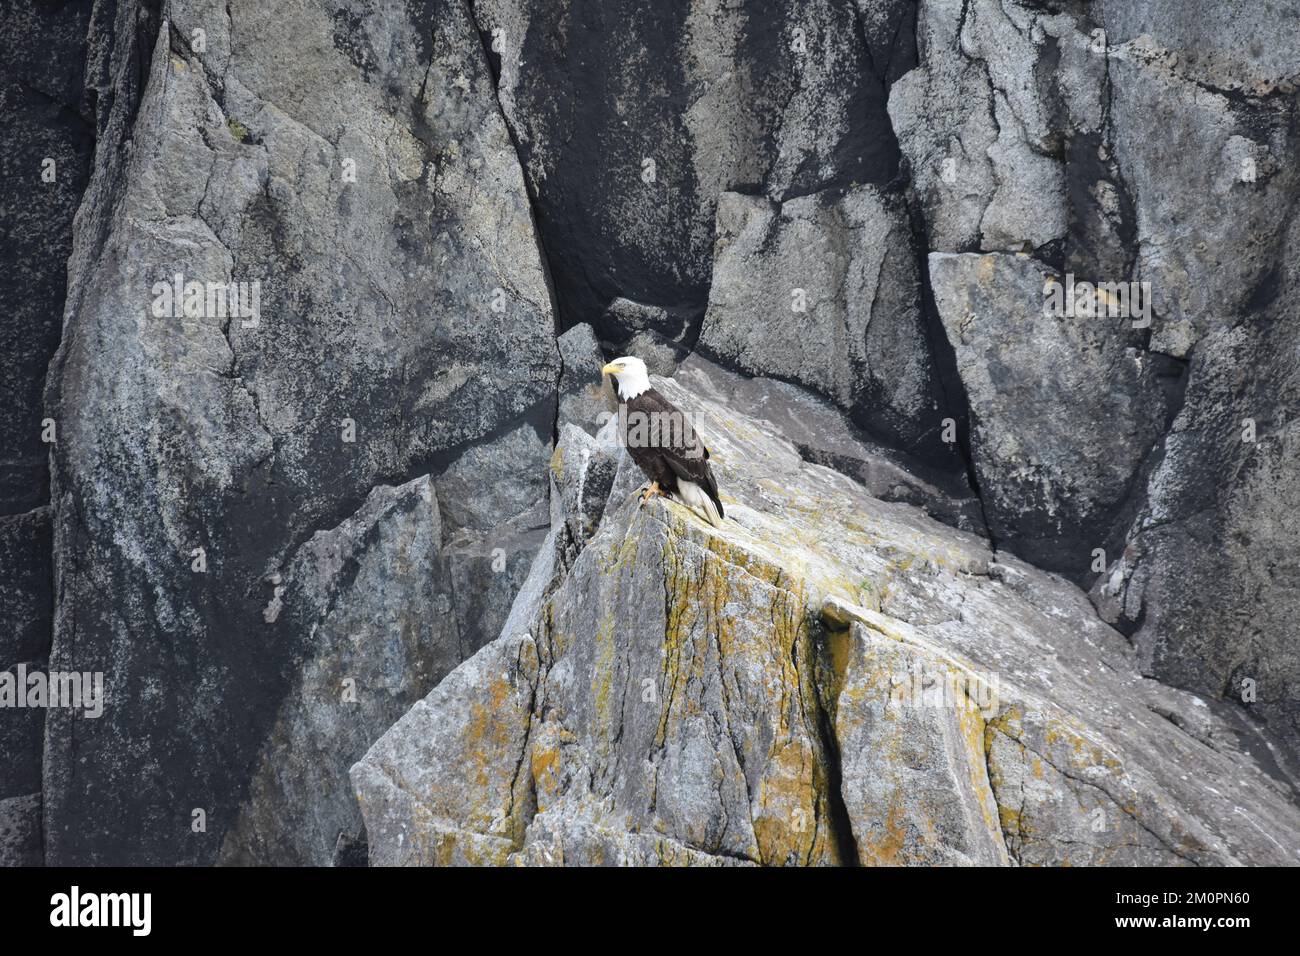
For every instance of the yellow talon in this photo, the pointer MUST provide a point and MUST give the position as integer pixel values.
(652, 490)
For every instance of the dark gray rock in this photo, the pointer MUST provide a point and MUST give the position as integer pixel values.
(20, 831)
(376, 599)
(487, 570)
(42, 53)
(26, 586)
(409, 299)
(1208, 579)
(44, 167)
(1064, 410)
(660, 337)
(632, 119)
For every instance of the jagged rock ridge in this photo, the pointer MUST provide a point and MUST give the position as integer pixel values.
(826, 679)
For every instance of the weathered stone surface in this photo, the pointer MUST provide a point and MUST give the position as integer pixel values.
(26, 600)
(826, 678)
(375, 597)
(1147, 142)
(584, 399)
(824, 291)
(44, 166)
(1208, 578)
(825, 436)
(632, 119)
(1213, 186)
(913, 773)
(407, 302)
(987, 119)
(1064, 409)
(1112, 141)
(20, 831)
(487, 569)
(245, 515)
(660, 337)
(422, 772)
(582, 475)
(43, 170)
(1218, 45)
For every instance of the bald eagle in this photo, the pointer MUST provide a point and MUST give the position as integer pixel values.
(660, 439)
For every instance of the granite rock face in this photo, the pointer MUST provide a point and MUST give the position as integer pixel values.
(49, 139)
(1208, 577)
(1064, 409)
(824, 291)
(1122, 143)
(827, 679)
(321, 476)
(403, 324)
(376, 645)
(632, 120)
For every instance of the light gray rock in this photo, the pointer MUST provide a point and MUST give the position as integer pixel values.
(1212, 186)
(1217, 45)
(825, 678)
(487, 569)
(984, 119)
(470, 763)
(582, 475)
(825, 436)
(1064, 409)
(375, 597)
(824, 291)
(357, 166)
(585, 399)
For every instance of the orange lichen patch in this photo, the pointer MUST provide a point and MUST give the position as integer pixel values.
(882, 845)
(787, 807)
(762, 668)
(450, 847)
(546, 763)
(489, 731)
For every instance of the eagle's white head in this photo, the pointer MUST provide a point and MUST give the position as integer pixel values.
(630, 376)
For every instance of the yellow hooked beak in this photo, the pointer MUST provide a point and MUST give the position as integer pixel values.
(610, 369)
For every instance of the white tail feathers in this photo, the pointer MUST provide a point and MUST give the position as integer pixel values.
(693, 496)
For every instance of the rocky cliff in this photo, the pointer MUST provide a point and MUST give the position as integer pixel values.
(828, 679)
(306, 448)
